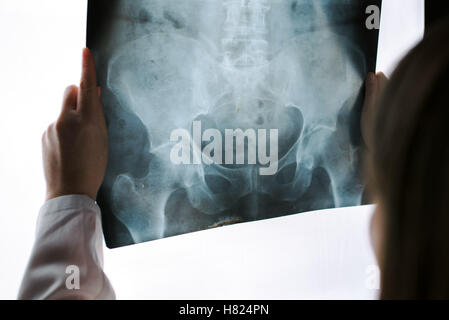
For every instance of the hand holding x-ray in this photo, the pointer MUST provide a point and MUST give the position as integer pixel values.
(75, 146)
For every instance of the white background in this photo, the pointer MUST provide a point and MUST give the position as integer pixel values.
(313, 255)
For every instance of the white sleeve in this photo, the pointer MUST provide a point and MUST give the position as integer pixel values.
(68, 239)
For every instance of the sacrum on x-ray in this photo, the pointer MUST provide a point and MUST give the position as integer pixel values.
(226, 111)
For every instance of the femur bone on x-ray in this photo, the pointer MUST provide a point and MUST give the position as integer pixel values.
(227, 111)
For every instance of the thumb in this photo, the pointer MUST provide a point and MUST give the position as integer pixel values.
(70, 100)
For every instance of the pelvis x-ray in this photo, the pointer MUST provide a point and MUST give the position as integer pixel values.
(228, 111)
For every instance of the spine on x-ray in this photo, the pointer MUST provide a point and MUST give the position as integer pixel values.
(244, 42)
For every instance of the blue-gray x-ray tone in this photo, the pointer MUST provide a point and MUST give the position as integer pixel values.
(228, 111)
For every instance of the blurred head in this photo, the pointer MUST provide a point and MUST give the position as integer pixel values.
(408, 171)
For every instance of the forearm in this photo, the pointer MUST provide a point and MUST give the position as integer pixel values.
(68, 239)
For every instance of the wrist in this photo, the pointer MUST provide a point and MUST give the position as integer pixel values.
(52, 194)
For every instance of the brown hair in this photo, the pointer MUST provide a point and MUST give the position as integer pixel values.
(409, 171)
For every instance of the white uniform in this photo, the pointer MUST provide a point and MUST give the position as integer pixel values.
(68, 238)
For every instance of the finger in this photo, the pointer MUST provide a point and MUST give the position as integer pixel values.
(371, 88)
(70, 100)
(382, 81)
(369, 104)
(88, 96)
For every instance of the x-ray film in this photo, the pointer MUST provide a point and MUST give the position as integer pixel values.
(228, 111)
